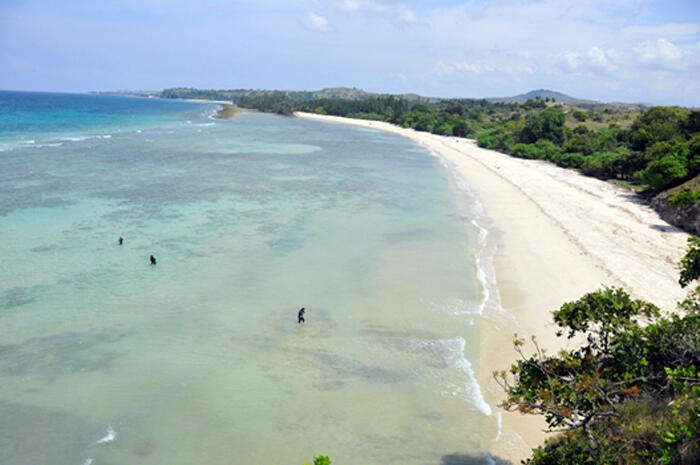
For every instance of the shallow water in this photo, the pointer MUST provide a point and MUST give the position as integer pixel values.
(108, 360)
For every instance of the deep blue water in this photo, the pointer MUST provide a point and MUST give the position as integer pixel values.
(50, 117)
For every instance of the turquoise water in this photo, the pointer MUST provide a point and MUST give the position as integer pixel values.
(108, 360)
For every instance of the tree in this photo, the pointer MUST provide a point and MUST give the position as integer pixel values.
(579, 115)
(547, 124)
(658, 124)
(690, 264)
(664, 171)
(630, 393)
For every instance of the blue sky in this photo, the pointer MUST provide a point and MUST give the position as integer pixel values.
(613, 50)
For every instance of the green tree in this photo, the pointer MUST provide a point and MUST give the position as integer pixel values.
(579, 115)
(664, 171)
(630, 393)
(547, 124)
(690, 264)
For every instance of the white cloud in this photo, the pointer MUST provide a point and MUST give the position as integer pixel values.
(407, 16)
(572, 60)
(660, 52)
(315, 22)
(593, 60)
(480, 68)
(602, 60)
(360, 5)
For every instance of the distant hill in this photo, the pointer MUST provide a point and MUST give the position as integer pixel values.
(543, 94)
(569, 100)
(332, 93)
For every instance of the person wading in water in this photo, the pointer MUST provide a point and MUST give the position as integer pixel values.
(301, 315)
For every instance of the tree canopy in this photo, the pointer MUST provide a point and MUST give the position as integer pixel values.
(630, 393)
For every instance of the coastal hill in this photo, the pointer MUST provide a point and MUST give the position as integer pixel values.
(331, 93)
(352, 93)
(569, 100)
(543, 94)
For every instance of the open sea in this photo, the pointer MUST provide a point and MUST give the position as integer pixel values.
(108, 360)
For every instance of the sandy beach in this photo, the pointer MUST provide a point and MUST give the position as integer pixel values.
(557, 235)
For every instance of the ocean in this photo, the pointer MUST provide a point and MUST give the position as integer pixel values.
(106, 359)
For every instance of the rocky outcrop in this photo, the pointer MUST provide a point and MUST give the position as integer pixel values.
(685, 217)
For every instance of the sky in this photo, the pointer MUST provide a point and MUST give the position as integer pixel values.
(614, 50)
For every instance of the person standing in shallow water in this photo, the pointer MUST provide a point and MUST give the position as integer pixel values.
(121, 240)
(302, 312)
(153, 260)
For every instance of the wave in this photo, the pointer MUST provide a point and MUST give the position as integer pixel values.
(451, 354)
(23, 144)
(82, 138)
(457, 307)
(109, 437)
(490, 305)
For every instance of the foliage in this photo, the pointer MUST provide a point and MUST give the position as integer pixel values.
(630, 393)
(547, 124)
(690, 263)
(685, 197)
(604, 165)
(320, 460)
(664, 171)
(680, 432)
(580, 115)
(277, 102)
(659, 124)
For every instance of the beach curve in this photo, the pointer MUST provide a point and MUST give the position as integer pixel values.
(557, 235)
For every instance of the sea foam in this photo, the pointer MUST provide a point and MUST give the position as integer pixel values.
(451, 351)
(109, 437)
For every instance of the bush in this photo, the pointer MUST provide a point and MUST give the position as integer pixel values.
(603, 165)
(685, 197)
(580, 116)
(528, 151)
(547, 124)
(664, 171)
(547, 149)
(569, 160)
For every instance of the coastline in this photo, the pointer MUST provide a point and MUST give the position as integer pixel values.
(556, 235)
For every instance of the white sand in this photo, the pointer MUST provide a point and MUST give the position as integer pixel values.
(558, 235)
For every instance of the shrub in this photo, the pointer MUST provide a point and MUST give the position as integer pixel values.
(569, 160)
(603, 165)
(664, 171)
(580, 116)
(685, 197)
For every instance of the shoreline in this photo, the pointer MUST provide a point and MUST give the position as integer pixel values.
(195, 100)
(555, 235)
